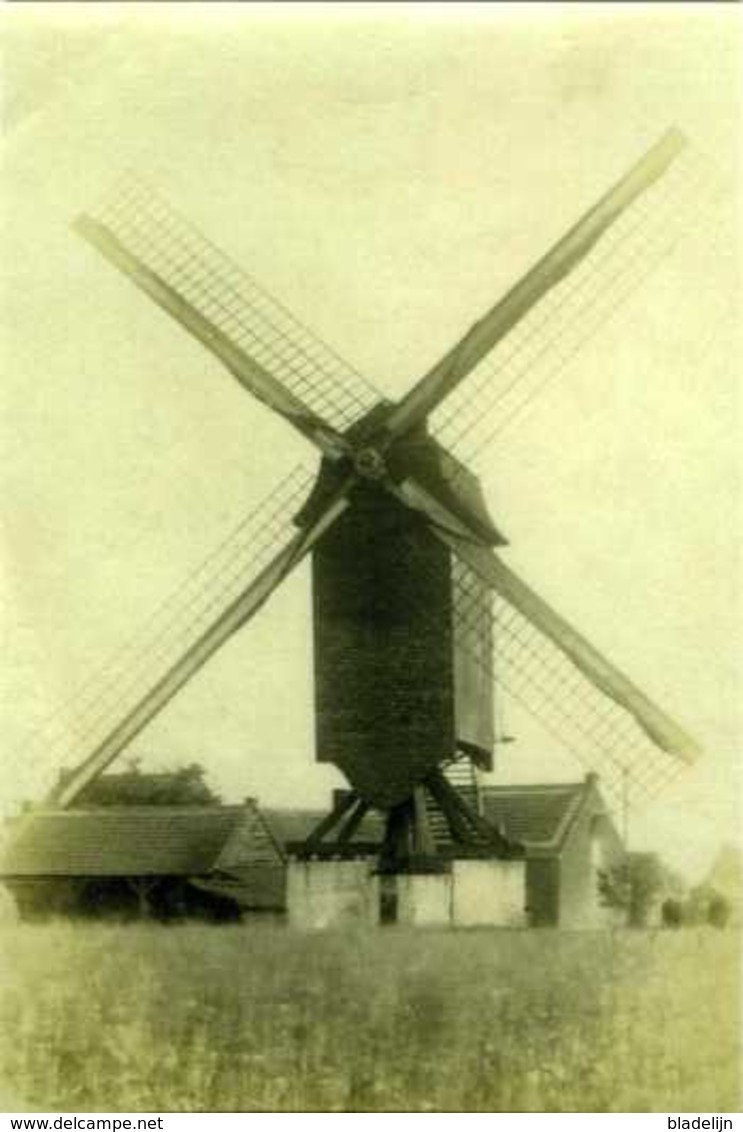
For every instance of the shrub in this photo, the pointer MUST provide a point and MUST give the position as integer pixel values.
(672, 913)
(718, 911)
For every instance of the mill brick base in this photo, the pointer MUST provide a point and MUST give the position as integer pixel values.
(328, 894)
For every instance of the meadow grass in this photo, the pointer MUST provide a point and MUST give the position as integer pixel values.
(254, 1017)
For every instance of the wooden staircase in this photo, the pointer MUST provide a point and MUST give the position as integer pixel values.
(463, 775)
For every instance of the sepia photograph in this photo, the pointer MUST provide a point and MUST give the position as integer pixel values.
(370, 558)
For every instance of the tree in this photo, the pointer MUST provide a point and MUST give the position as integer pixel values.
(183, 787)
(706, 905)
(718, 912)
(633, 885)
(672, 912)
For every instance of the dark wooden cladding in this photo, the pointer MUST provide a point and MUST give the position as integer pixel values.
(384, 651)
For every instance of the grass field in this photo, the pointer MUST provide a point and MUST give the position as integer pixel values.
(255, 1018)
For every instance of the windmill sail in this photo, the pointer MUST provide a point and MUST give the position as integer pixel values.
(552, 671)
(681, 206)
(436, 385)
(220, 601)
(140, 226)
(667, 735)
(246, 369)
(276, 359)
(659, 727)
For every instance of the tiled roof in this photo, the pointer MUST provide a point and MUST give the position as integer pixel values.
(291, 825)
(137, 841)
(537, 816)
(235, 841)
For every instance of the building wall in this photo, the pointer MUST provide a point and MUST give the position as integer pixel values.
(424, 900)
(542, 891)
(591, 844)
(327, 894)
(489, 892)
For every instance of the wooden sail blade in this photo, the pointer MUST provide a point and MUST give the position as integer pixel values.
(663, 231)
(659, 727)
(250, 373)
(562, 258)
(579, 695)
(527, 669)
(236, 615)
(195, 597)
(148, 225)
(441, 516)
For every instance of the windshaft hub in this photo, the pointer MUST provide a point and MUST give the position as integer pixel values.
(369, 463)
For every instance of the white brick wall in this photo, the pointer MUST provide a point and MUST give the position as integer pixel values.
(424, 899)
(489, 892)
(327, 894)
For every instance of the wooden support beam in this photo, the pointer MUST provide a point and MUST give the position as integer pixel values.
(423, 840)
(478, 830)
(482, 829)
(344, 804)
(353, 822)
(457, 802)
(457, 827)
(397, 837)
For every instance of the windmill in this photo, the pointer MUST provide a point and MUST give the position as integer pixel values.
(405, 555)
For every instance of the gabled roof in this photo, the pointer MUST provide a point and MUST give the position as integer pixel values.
(137, 841)
(539, 816)
(293, 825)
(237, 842)
(289, 825)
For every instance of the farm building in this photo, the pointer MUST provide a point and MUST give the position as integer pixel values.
(222, 861)
(164, 861)
(566, 831)
(569, 838)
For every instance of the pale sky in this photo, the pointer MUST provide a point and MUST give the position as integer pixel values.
(386, 172)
